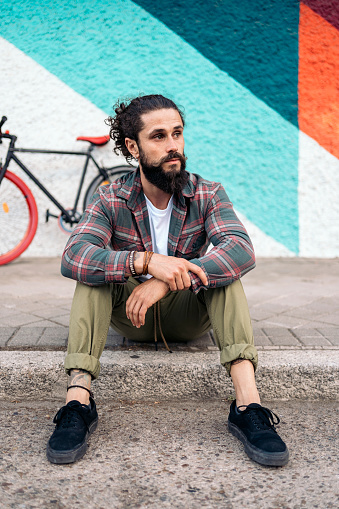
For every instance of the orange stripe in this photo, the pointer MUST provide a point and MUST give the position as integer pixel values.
(318, 88)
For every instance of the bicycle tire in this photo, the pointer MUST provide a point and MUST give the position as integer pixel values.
(113, 174)
(18, 217)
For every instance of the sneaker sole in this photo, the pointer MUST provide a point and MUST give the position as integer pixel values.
(270, 459)
(64, 457)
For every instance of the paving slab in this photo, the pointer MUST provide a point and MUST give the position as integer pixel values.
(26, 337)
(18, 319)
(261, 340)
(54, 336)
(315, 341)
(5, 334)
(173, 454)
(334, 340)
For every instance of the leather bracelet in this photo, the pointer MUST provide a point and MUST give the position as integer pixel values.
(147, 258)
(131, 263)
(144, 263)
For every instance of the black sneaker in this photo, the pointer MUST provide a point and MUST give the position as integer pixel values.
(74, 423)
(255, 427)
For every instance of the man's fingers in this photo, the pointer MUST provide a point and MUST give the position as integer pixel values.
(171, 281)
(129, 306)
(135, 315)
(173, 285)
(180, 279)
(199, 272)
(179, 282)
(132, 309)
(142, 314)
(186, 281)
(136, 311)
(183, 281)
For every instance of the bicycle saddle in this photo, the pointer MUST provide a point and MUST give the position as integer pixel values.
(99, 140)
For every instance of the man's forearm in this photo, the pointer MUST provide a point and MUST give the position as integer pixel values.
(93, 266)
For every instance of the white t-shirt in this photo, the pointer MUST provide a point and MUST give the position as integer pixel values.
(159, 221)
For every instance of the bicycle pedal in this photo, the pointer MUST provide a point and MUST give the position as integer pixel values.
(48, 215)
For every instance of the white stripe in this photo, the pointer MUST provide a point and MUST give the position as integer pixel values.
(318, 200)
(263, 244)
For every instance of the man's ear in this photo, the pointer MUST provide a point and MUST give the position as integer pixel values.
(132, 147)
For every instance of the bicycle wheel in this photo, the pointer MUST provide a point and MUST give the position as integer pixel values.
(113, 174)
(18, 217)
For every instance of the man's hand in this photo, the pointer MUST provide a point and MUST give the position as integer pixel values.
(174, 271)
(142, 298)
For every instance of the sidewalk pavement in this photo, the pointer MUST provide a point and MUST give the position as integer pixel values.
(168, 455)
(293, 303)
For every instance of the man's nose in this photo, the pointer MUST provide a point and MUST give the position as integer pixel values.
(172, 146)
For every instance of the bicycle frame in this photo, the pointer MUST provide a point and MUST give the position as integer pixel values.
(69, 216)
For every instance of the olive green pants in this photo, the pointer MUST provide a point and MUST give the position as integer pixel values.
(184, 316)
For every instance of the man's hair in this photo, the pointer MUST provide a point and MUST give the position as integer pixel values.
(127, 121)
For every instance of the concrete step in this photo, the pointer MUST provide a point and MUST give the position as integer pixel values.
(148, 375)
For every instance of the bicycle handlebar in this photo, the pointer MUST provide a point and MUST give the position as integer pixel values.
(2, 121)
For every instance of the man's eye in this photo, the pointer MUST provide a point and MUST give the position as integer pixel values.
(177, 134)
(158, 136)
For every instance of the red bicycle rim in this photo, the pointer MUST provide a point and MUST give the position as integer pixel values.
(32, 223)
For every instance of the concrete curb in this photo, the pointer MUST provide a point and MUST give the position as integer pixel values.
(144, 375)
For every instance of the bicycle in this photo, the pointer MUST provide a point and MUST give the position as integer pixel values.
(18, 209)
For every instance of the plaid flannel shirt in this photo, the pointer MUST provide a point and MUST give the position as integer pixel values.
(116, 222)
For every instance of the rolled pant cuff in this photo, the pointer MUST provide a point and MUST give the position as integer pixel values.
(238, 351)
(82, 361)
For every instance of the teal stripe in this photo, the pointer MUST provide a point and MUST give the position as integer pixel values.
(108, 51)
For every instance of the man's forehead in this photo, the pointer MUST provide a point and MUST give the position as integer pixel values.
(166, 118)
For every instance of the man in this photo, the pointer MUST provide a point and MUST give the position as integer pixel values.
(159, 220)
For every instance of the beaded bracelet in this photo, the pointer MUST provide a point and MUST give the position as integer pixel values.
(131, 263)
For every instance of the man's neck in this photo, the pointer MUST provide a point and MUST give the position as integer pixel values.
(156, 196)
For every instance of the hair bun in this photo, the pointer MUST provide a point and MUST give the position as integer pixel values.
(120, 108)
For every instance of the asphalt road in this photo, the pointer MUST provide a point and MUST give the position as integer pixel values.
(175, 454)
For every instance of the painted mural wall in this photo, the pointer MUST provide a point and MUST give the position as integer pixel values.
(258, 81)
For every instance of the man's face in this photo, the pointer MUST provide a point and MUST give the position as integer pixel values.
(161, 150)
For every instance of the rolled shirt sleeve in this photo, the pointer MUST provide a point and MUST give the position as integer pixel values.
(86, 257)
(232, 254)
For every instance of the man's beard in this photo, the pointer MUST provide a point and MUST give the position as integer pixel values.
(170, 181)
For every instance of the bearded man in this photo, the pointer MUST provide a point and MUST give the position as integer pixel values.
(159, 221)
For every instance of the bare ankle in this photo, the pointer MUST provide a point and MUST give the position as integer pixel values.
(247, 400)
(242, 373)
(79, 386)
(77, 394)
